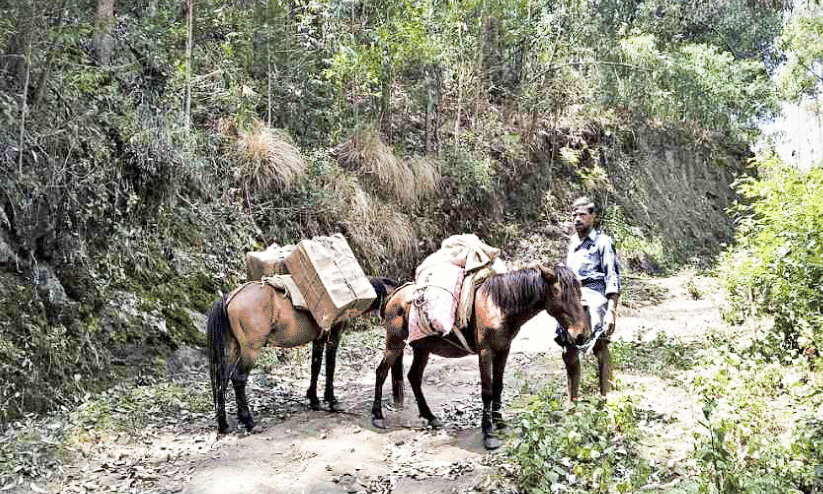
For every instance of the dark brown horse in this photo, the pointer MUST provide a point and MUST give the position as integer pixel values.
(502, 304)
(258, 315)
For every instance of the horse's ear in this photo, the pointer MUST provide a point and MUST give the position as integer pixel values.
(548, 273)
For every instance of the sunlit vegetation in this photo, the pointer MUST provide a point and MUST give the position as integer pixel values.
(144, 147)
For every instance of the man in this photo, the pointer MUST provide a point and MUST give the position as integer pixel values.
(592, 258)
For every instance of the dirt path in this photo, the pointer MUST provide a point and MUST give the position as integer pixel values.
(301, 451)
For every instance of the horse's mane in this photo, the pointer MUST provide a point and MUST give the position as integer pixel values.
(526, 288)
(516, 290)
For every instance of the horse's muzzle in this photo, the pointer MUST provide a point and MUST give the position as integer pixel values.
(581, 339)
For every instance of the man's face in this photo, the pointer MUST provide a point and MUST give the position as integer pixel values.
(583, 220)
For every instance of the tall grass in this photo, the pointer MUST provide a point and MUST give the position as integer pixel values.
(264, 157)
(376, 226)
(407, 181)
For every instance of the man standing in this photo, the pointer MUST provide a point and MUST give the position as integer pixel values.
(592, 258)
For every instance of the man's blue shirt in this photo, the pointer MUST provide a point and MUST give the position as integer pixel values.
(594, 262)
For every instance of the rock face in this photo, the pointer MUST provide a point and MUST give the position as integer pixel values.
(670, 187)
(49, 291)
(679, 189)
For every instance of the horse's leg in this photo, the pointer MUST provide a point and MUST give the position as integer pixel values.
(486, 359)
(571, 357)
(397, 383)
(316, 362)
(421, 358)
(335, 335)
(500, 360)
(238, 379)
(604, 364)
(222, 422)
(390, 356)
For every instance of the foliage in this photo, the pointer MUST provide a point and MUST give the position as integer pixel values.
(638, 251)
(777, 263)
(801, 74)
(723, 472)
(760, 428)
(661, 356)
(688, 83)
(130, 410)
(586, 449)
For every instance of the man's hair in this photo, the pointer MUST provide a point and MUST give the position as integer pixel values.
(584, 202)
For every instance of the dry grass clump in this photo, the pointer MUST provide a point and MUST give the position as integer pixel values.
(426, 173)
(264, 157)
(379, 228)
(365, 152)
(376, 227)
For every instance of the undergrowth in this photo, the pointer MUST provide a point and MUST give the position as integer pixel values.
(777, 263)
(589, 446)
(761, 428)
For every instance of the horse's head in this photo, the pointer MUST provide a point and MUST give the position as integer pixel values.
(384, 287)
(564, 302)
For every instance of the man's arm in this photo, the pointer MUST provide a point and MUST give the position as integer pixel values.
(611, 273)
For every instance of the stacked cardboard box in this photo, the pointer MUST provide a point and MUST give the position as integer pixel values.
(330, 279)
(269, 262)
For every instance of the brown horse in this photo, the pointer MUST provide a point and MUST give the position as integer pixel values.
(502, 304)
(258, 315)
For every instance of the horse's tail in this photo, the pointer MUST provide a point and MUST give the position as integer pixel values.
(216, 326)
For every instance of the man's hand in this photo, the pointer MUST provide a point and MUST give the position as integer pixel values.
(610, 317)
(609, 321)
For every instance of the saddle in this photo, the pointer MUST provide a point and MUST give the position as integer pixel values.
(282, 283)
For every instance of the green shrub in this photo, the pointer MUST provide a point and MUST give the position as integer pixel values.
(777, 263)
(760, 432)
(589, 448)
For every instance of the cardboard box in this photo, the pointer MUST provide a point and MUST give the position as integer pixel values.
(330, 279)
(269, 262)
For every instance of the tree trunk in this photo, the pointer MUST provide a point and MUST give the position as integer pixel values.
(189, 34)
(24, 96)
(103, 21)
(433, 104)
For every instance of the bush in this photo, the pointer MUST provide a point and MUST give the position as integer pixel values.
(776, 266)
(760, 431)
(587, 450)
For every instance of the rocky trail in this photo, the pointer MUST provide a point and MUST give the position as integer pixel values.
(176, 449)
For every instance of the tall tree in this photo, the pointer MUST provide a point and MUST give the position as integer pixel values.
(103, 21)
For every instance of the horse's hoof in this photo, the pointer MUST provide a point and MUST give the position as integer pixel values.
(257, 428)
(380, 423)
(223, 429)
(335, 406)
(314, 405)
(492, 442)
(435, 424)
